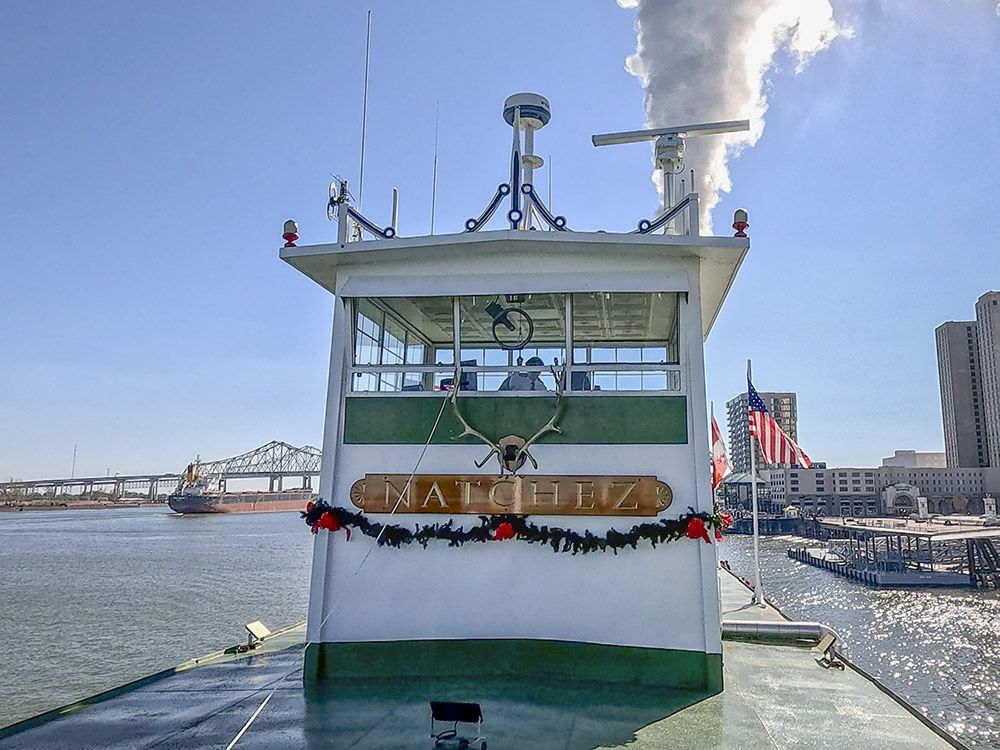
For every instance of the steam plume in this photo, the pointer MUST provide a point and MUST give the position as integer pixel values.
(706, 60)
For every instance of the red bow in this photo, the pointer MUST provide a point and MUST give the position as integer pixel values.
(504, 531)
(330, 522)
(696, 530)
(727, 520)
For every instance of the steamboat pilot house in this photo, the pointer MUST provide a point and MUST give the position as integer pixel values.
(516, 469)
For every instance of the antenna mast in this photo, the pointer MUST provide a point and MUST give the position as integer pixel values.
(527, 112)
(550, 182)
(364, 114)
(434, 177)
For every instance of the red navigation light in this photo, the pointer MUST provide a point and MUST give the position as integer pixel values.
(291, 230)
(740, 222)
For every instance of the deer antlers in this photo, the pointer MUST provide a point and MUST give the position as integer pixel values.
(468, 429)
(549, 426)
(511, 451)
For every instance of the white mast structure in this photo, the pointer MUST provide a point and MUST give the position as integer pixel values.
(527, 112)
(669, 151)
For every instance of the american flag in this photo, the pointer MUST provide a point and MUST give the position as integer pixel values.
(775, 445)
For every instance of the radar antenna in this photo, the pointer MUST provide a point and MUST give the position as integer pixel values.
(669, 149)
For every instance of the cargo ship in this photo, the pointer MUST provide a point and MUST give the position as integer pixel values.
(198, 493)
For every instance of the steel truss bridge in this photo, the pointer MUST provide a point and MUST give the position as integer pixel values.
(275, 462)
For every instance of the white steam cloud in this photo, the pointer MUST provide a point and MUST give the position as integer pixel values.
(706, 61)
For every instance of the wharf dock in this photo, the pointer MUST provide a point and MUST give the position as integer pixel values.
(875, 577)
(908, 552)
(769, 526)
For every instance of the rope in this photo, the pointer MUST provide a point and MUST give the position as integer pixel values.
(249, 721)
(406, 487)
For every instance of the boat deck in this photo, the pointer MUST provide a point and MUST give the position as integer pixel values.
(775, 697)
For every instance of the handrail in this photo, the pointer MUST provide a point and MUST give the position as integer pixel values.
(588, 366)
(646, 226)
(779, 630)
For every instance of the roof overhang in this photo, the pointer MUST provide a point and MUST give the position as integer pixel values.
(483, 261)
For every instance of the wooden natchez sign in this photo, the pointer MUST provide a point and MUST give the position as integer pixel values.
(553, 495)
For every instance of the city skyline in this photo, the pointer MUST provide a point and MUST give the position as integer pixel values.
(155, 155)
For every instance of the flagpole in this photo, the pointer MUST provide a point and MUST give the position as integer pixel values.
(715, 499)
(758, 587)
(711, 424)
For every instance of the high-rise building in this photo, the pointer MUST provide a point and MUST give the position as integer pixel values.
(968, 369)
(988, 340)
(782, 407)
(961, 396)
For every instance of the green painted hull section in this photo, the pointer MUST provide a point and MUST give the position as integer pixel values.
(521, 659)
(597, 420)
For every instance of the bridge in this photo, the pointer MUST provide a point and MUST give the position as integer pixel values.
(275, 462)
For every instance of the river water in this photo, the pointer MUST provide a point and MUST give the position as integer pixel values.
(937, 648)
(92, 599)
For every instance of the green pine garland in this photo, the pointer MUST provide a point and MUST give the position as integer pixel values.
(508, 526)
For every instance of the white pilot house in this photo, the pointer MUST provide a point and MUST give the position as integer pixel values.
(516, 470)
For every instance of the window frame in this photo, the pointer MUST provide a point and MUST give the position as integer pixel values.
(673, 372)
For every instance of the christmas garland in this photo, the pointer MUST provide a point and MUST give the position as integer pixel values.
(321, 515)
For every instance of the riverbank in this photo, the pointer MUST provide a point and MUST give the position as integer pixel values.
(82, 505)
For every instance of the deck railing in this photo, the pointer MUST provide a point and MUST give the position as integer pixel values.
(591, 379)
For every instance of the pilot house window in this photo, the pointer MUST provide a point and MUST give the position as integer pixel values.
(589, 342)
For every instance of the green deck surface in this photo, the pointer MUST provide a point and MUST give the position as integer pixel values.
(774, 697)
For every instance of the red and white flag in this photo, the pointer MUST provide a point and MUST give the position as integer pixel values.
(775, 445)
(720, 462)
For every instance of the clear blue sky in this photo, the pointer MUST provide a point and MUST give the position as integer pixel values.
(151, 152)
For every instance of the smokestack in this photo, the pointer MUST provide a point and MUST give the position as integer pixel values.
(705, 60)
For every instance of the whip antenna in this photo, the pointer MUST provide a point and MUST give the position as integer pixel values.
(364, 114)
(434, 177)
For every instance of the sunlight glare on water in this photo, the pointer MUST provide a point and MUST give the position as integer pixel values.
(936, 647)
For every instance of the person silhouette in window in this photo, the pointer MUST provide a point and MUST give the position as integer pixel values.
(525, 381)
